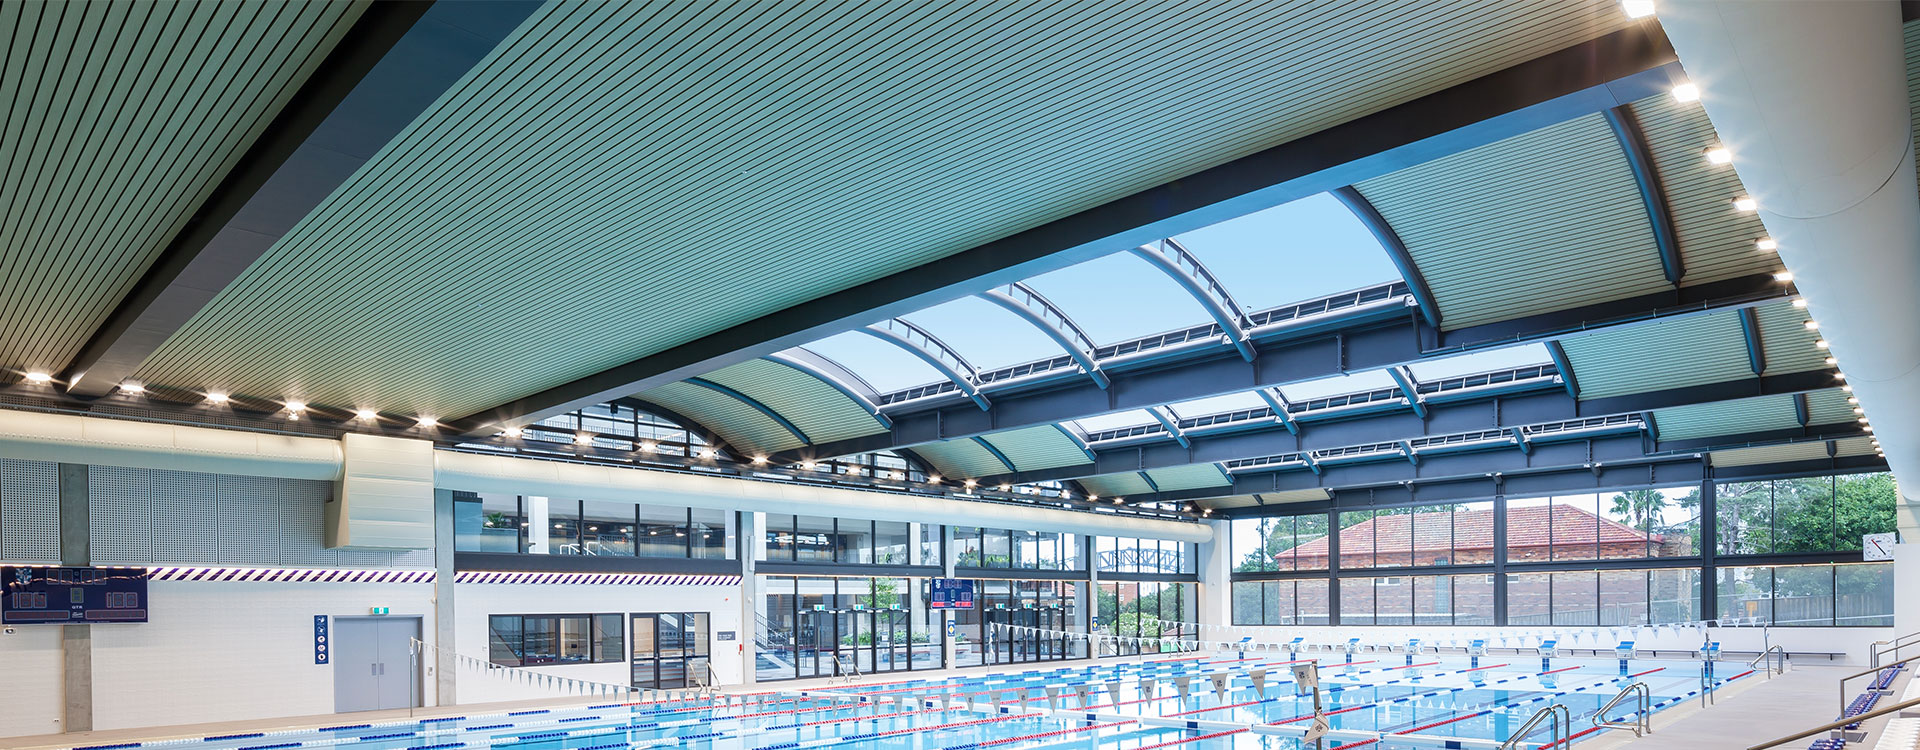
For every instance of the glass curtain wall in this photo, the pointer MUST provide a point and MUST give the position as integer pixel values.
(810, 626)
(1144, 609)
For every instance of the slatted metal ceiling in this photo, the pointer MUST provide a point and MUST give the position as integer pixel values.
(1672, 353)
(1804, 451)
(819, 410)
(741, 425)
(1117, 485)
(117, 119)
(1265, 498)
(1039, 447)
(1829, 406)
(1540, 221)
(1190, 477)
(1912, 31)
(961, 459)
(1733, 417)
(680, 170)
(1716, 240)
(1785, 340)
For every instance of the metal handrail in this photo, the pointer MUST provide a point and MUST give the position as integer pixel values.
(1642, 722)
(1858, 675)
(1837, 724)
(1897, 643)
(1553, 712)
(1771, 671)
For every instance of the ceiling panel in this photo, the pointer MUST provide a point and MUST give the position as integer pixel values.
(116, 121)
(1111, 486)
(1771, 454)
(1042, 447)
(1716, 240)
(1829, 407)
(619, 178)
(1191, 477)
(1265, 498)
(1785, 340)
(742, 426)
(822, 412)
(1660, 355)
(1726, 418)
(961, 459)
(1541, 221)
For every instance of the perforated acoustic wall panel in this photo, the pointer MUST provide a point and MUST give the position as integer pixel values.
(157, 517)
(29, 511)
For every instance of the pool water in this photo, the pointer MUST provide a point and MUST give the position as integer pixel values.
(1378, 702)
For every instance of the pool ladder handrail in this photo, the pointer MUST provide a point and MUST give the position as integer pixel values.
(1770, 663)
(1642, 724)
(849, 668)
(1553, 713)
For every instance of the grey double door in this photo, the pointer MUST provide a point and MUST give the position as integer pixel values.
(373, 663)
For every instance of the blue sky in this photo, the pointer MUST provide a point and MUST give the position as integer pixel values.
(1309, 248)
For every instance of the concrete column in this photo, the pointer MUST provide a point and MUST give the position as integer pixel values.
(949, 553)
(76, 641)
(1906, 587)
(751, 546)
(445, 669)
(1216, 582)
(1089, 548)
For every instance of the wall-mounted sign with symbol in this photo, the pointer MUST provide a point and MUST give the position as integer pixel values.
(953, 628)
(1877, 546)
(320, 646)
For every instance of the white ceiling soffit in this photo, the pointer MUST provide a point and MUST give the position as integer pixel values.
(33, 436)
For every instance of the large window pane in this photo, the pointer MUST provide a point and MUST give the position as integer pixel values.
(1575, 528)
(1356, 544)
(1864, 593)
(1803, 596)
(1473, 533)
(997, 545)
(1529, 528)
(1433, 535)
(1575, 598)
(1803, 515)
(504, 640)
(1433, 600)
(1311, 601)
(486, 522)
(707, 536)
(1393, 600)
(1393, 538)
(855, 541)
(1673, 595)
(1743, 521)
(1623, 597)
(1629, 522)
(779, 534)
(1863, 504)
(891, 543)
(1473, 599)
(563, 527)
(966, 541)
(1310, 542)
(1252, 541)
(1745, 593)
(607, 528)
(662, 531)
(1530, 598)
(814, 539)
(1356, 600)
(1247, 604)
(609, 641)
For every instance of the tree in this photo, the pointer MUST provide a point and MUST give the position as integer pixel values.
(1640, 509)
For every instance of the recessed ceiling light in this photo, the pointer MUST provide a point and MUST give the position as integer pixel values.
(1831, 361)
(1637, 8)
(1863, 420)
(759, 459)
(513, 432)
(1766, 244)
(707, 453)
(933, 479)
(296, 406)
(1852, 400)
(808, 465)
(1686, 92)
(582, 438)
(1783, 276)
(429, 422)
(648, 447)
(366, 415)
(39, 378)
(1746, 203)
(1858, 410)
(1800, 302)
(132, 387)
(216, 397)
(1822, 343)
(971, 483)
(1812, 325)
(1003, 488)
(1719, 155)
(1846, 388)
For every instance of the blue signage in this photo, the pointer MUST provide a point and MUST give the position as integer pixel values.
(320, 646)
(70, 595)
(950, 593)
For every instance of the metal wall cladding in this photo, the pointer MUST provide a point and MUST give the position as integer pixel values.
(1786, 341)
(29, 511)
(681, 169)
(741, 425)
(1039, 447)
(1191, 477)
(819, 410)
(1716, 240)
(1117, 485)
(961, 459)
(1541, 221)
(1660, 355)
(1726, 418)
(119, 119)
(157, 517)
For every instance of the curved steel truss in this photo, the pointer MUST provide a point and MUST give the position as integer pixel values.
(1031, 306)
(1186, 270)
(930, 349)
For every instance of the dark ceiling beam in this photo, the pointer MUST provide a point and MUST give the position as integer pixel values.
(692, 426)
(1633, 142)
(395, 61)
(1320, 355)
(1750, 330)
(1590, 77)
(1390, 426)
(1389, 240)
(754, 404)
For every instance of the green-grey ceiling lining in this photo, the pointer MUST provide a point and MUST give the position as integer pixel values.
(1735, 417)
(1190, 477)
(818, 409)
(1040, 447)
(735, 421)
(117, 119)
(1265, 498)
(1537, 222)
(1785, 339)
(1853, 446)
(1716, 240)
(961, 459)
(1672, 353)
(1109, 486)
(1771, 454)
(1829, 406)
(617, 179)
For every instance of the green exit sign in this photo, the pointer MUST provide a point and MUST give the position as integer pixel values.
(379, 611)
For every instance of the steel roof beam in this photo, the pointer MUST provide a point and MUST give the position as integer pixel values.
(1185, 269)
(391, 65)
(1520, 439)
(815, 368)
(1565, 366)
(1403, 378)
(1171, 424)
(1750, 330)
(1633, 142)
(1041, 313)
(1389, 240)
(1001, 457)
(1497, 413)
(931, 350)
(1277, 403)
(753, 403)
(1620, 67)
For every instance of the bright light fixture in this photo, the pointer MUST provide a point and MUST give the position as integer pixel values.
(648, 447)
(1858, 410)
(1800, 302)
(933, 479)
(971, 483)
(1637, 8)
(1119, 501)
(293, 416)
(1766, 244)
(1783, 276)
(296, 406)
(512, 432)
(366, 415)
(1686, 92)
(1719, 155)
(39, 378)
(1821, 343)
(1863, 420)
(1746, 203)
(707, 453)
(1852, 400)
(807, 465)
(1846, 388)
(1812, 326)
(1003, 488)
(582, 438)
(429, 422)
(1832, 361)
(759, 460)
(216, 397)
(1092, 497)
(131, 387)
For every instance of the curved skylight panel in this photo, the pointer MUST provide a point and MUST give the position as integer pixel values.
(988, 336)
(884, 366)
(1114, 421)
(1324, 387)
(1485, 360)
(1120, 297)
(1297, 251)
(1218, 404)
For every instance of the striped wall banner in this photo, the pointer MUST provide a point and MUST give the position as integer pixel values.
(290, 575)
(614, 579)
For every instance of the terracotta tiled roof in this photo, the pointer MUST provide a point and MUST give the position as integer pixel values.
(1527, 526)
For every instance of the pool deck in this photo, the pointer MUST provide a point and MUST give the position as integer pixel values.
(1747, 713)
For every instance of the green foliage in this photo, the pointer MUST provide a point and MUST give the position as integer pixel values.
(1642, 509)
(1807, 514)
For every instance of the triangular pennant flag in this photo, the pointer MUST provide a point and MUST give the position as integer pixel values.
(1113, 691)
(1085, 692)
(1180, 684)
(1220, 683)
(1259, 681)
(1053, 693)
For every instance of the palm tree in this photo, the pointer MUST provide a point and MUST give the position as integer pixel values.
(1642, 507)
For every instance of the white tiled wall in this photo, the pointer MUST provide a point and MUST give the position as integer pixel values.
(225, 651)
(474, 602)
(30, 688)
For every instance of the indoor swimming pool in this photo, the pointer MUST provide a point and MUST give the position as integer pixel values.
(1380, 701)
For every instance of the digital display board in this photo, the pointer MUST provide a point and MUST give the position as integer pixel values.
(950, 593)
(72, 595)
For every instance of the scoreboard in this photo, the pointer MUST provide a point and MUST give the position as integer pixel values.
(72, 595)
(950, 593)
